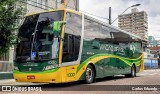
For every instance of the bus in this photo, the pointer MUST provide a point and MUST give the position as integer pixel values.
(63, 45)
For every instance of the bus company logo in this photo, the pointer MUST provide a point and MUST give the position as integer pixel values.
(132, 48)
(112, 48)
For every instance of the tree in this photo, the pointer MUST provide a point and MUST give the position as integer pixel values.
(10, 15)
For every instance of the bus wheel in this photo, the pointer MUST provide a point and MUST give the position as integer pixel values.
(89, 74)
(133, 72)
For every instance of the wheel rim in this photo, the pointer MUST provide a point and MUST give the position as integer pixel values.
(89, 74)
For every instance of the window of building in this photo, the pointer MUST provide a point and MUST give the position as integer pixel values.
(44, 2)
(38, 3)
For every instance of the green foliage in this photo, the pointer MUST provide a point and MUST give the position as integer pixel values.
(10, 16)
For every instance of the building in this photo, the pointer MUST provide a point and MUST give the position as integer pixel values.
(40, 5)
(153, 42)
(155, 51)
(148, 53)
(135, 22)
(158, 42)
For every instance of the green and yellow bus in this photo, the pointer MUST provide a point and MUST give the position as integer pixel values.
(64, 45)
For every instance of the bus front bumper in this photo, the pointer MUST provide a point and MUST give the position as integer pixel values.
(39, 77)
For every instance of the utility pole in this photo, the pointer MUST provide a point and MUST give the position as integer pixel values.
(125, 11)
(56, 4)
(109, 15)
(77, 5)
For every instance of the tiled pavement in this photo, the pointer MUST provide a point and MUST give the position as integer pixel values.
(148, 77)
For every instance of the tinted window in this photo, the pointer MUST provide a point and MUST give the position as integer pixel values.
(36, 36)
(25, 37)
(28, 27)
(45, 44)
(94, 30)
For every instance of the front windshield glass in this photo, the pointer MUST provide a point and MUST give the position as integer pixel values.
(25, 37)
(36, 39)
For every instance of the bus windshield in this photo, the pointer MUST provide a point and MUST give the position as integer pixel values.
(36, 40)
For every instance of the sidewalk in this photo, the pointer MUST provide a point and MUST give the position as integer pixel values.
(9, 82)
(13, 82)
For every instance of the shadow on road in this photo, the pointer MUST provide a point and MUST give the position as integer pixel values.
(78, 83)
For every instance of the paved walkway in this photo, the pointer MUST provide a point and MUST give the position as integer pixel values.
(148, 77)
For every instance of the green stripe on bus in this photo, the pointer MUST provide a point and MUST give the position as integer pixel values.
(125, 60)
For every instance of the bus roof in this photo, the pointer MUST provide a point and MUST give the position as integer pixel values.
(115, 28)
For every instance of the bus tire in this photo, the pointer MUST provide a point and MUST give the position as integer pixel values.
(133, 72)
(89, 74)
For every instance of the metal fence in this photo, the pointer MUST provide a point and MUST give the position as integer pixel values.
(151, 63)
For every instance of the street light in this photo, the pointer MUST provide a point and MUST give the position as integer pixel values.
(125, 11)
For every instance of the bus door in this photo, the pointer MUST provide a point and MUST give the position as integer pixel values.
(70, 55)
(71, 45)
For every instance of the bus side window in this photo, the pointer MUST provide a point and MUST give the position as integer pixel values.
(67, 48)
(71, 48)
(72, 38)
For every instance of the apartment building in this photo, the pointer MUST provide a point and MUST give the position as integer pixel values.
(135, 22)
(40, 5)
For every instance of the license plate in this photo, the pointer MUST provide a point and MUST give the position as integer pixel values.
(29, 77)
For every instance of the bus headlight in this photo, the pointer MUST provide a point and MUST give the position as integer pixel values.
(16, 68)
(51, 67)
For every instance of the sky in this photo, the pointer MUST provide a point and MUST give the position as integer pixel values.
(100, 8)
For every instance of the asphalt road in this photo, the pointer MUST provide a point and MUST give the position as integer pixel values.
(147, 82)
